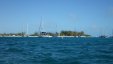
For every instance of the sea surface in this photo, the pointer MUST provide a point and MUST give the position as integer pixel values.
(29, 50)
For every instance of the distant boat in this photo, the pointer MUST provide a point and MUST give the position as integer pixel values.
(42, 33)
(27, 35)
(102, 36)
(40, 27)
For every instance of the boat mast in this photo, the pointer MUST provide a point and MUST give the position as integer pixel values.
(56, 31)
(27, 30)
(40, 27)
(112, 32)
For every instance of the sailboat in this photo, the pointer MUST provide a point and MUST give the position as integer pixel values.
(42, 33)
(27, 35)
(40, 27)
(102, 36)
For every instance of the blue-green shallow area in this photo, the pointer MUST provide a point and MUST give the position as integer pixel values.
(18, 50)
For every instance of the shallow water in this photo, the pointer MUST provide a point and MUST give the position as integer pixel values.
(56, 50)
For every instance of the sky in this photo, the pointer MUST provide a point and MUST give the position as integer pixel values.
(94, 17)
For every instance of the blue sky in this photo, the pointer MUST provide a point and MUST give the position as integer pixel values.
(94, 17)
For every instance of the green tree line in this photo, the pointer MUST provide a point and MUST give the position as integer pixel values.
(62, 33)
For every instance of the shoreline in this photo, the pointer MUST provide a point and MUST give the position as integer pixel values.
(49, 36)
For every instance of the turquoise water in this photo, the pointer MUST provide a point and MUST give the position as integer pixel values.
(56, 50)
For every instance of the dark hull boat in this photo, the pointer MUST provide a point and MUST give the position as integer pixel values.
(102, 36)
